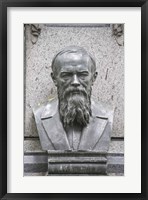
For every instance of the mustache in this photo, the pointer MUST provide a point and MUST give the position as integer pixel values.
(72, 90)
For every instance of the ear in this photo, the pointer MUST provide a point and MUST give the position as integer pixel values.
(94, 76)
(53, 78)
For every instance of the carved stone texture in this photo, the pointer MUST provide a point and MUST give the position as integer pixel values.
(108, 87)
(75, 121)
(118, 32)
(36, 160)
(76, 163)
(35, 32)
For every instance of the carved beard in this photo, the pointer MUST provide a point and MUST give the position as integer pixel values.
(74, 106)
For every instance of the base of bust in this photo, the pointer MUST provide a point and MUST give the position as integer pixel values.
(77, 163)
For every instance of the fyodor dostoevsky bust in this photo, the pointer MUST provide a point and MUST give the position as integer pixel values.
(74, 121)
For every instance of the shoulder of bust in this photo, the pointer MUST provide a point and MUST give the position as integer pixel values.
(46, 110)
(102, 110)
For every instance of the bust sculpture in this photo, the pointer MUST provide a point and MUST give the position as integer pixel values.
(74, 121)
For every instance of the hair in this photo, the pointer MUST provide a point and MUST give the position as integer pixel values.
(74, 49)
(74, 108)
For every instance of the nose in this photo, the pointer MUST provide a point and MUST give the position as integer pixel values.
(75, 81)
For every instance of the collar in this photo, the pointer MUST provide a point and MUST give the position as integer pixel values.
(99, 110)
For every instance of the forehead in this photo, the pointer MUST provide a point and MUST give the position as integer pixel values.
(70, 61)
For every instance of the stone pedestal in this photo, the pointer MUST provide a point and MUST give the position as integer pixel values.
(77, 163)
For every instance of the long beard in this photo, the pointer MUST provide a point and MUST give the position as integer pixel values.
(75, 107)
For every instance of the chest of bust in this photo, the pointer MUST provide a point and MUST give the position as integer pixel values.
(74, 136)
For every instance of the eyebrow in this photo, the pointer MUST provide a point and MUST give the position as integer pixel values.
(82, 71)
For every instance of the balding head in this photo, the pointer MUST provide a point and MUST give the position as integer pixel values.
(72, 51)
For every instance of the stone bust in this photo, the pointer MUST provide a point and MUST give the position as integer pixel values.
(74, 121)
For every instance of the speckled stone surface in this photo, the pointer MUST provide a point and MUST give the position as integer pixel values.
(32, 146)
(109, 86)
(116, 147)
(35, 159)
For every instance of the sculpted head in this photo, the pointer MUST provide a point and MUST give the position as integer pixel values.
(74, 72)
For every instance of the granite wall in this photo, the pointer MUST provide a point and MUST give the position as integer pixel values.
(99, 41)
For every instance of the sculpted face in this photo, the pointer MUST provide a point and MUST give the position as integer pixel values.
(74, 75)
(74, 71)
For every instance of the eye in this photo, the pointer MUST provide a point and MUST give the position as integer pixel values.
(83, 74)
(66, 74)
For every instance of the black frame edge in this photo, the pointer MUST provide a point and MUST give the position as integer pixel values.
(144, 93)
(3, 101)
(74, 3)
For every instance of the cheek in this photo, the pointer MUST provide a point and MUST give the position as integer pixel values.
(87, 82)
(63, 83)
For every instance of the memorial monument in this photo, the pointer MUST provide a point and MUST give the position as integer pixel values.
(74, 129)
